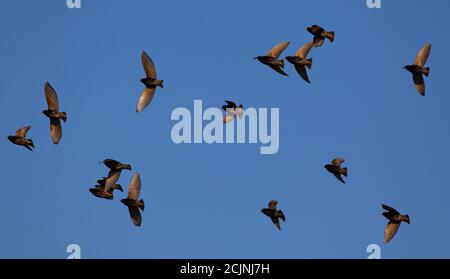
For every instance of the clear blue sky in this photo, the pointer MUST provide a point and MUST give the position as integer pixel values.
(204, 201)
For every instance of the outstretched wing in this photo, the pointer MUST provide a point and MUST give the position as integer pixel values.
(390, 209)
(390, 231)
(145, 99)
(135, 187)
(422, 56)
(149, 66)
(135, 215)
(304, 50)
(51, 97)
(22, 132)
(301, 70)
(278, 49)
(55, 130)
(419, 83)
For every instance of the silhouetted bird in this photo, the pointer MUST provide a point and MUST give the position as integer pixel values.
(274, 214)
(20, 138)
(300, 62)
(115, 171)
(133, 202)
(53, 113)
(336, 170)
(232, 111)
(271, 59)
(320, 34)
(395, 218)
(417, 69)
(150, 82)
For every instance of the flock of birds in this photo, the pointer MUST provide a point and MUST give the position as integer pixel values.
(106, 185)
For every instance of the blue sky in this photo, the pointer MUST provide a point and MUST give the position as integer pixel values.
(204, 201)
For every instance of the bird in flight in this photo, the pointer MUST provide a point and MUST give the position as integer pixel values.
(101, 191)
(232, 111)
(395, 218)
(20, 138)
(336, 170)
(418, 69)
(134, 204)
(150, 82)
(271, 59)
(274, 214)
(300, 61)
(320, 34)
(115, 169)
(53, 113)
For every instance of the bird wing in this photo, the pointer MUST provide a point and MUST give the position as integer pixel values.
(316, 29)
(278, 49)
(390, 209)
(51, 97)
(22, 132)
(227, 118)
(422, 56)
(304, 50)
(135, 215)
(230, 104)
(339, 177)
(278, 69)
(391, 230)
(301, 70)
(55, 130)
(419, 83)
(145, 98)
(149, 66)
(110, 163)
(276, 222)
(113, 177)
(338, 161)
(135, 187)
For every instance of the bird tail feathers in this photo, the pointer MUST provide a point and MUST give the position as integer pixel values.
(344, 171)
(141, 204)
(426, 71)
(64, 116)
(309, 65)
(329, 36)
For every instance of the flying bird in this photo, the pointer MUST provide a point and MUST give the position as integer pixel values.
(301, 62)
(150, 82)
(320, 34)
(336, 170)
(53, 113)
(271, 59)
(274, 214)
(20, 138)
(418, 70)
(101, 191)
(395, 218)
(232, 111)
(115, 169)
(133, 202)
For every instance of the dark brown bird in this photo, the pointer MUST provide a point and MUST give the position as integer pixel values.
(274, 214)
(320, 34)
(336, 170)
(133, 202)
(20, 138)
(301, 62)
(271, 59)
(418, 70)
(150, 82)
(395, 218)
(232, 111)
(115, 169)
(101, 191)
(53, 113)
